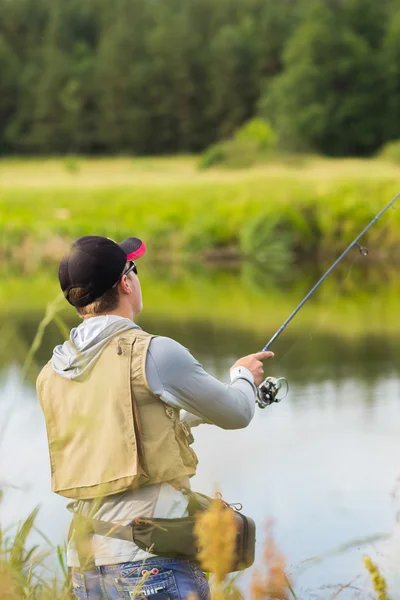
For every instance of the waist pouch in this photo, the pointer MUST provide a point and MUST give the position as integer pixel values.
(174, 538)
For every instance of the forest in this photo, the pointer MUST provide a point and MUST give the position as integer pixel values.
(144, 77)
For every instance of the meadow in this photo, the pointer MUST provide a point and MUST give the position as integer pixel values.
(274, 213)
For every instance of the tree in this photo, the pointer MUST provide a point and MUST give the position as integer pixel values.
(10, 66)
(330, 96)
(391, 49)
(149, 76)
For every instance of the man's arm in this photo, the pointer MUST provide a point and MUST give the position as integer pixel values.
(179, 380)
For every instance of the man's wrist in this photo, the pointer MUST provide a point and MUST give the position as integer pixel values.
(240, 372)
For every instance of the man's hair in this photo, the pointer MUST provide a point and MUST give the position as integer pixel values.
(107, 302)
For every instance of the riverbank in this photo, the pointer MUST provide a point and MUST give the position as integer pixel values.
(233, 310)
(275, 214)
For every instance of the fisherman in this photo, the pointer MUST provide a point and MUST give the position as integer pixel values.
(119, 404)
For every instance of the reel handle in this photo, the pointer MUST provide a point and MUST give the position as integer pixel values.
(268, 391)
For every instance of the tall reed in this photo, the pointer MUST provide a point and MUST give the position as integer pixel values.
(26, 571)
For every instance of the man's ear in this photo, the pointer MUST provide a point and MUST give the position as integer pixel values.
(124, 285)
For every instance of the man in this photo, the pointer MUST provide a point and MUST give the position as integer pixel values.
(118, 405)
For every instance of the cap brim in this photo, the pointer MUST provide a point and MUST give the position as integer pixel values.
(133, 248)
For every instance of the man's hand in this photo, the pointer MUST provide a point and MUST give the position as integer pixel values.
(253, 363)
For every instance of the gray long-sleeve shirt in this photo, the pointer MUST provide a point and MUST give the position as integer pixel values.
(180, 381)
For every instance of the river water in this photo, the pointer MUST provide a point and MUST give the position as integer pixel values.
(323, 465)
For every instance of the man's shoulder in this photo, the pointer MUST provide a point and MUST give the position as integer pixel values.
(164, 343)
(166, 350)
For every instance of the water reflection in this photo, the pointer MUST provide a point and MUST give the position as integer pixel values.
(320, 356)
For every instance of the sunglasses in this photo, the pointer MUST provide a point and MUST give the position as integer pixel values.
(132, 267)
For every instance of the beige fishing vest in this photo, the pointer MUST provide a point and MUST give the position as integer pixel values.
(110, 433)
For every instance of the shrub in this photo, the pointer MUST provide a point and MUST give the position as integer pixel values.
(207, 231)
(213, 156)
(265, 240)
(391, 151)
(232, 154)
(244, 149)
(259, 132)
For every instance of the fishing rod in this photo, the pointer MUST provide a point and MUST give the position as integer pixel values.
(268, 391)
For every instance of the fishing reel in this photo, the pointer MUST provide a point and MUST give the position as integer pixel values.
(271, 390)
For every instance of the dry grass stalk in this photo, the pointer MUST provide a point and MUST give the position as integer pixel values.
(274, 583)
(215, 530)
(7, 585)
(378, 581)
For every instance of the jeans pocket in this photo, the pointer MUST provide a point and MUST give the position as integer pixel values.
(202, 583)
(144, 586)
(78, 585)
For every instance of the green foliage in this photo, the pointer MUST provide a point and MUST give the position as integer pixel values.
(252, 142)
(391, 60)
(213, 156)
(232, 154)
(209, 232)
(391, 151)
(8, 88)
(333, 83)
(22, 566)
(256, 131)
(265, 240)
(153, 78)
(309, 209)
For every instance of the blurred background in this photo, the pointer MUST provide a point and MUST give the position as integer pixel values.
(247, 142)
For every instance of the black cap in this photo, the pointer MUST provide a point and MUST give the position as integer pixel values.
(95, 264)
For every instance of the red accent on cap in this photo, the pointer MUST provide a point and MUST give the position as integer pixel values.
(139, 252)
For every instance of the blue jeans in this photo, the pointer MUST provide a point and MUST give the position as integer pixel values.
(155, 578)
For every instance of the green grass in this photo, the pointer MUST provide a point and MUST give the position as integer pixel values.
(314, 209)
(25, 573)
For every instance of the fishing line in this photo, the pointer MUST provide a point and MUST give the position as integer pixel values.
(306, 341)
(321, 318)
(268, 391)
(354, 262)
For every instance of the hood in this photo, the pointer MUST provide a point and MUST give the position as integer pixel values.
(75, 358)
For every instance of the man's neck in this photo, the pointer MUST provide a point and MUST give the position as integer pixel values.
(118, 312)
(127, 313)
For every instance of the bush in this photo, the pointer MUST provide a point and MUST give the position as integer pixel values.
(247, 146)
(266, 240)
(391, 151)
(257, 131)
(206, 232)
(214, 155)
(232, 154)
